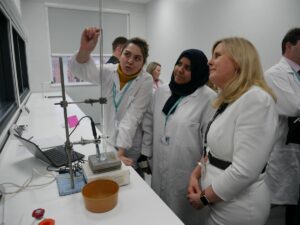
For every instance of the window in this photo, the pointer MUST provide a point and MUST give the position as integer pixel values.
(14, 86)
(69, 78)
(56, 71)
(65, 37)
(8, 101)
(21, 65)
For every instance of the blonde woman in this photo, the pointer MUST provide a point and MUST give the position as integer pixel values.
(239, 139)
(154, 69)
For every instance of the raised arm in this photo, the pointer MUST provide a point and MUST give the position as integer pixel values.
(89, 39)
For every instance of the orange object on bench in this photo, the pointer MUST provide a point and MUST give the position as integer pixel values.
(47, 222)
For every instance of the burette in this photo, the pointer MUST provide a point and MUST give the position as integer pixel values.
(103, 156)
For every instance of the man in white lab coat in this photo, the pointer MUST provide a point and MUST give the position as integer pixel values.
(283, 173)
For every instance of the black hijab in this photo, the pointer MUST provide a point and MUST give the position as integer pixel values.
(199, 77)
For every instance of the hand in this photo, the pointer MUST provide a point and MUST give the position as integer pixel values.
(194, 192)
(144, 164)
(194, 199)
(194, 189)
(89, 39)
(127, 161)
(194, 186)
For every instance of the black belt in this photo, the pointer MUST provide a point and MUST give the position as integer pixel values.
(219, 163)
(222, 164)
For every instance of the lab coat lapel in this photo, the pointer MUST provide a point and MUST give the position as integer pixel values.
(116, 81)
(186, 99)
(284, 64)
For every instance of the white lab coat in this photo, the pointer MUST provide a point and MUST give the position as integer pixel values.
(243, 134)
(157, 84)
(283, 174)
(174, 162)
(124, 125)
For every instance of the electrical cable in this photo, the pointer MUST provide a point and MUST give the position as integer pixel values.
(27, 184)
(78, 124)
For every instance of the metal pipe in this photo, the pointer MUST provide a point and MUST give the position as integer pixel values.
(64, 104)
(102, 121)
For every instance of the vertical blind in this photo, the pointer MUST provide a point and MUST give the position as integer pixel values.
(66, 26)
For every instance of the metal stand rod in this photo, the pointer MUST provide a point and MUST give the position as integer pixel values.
(64, 104)
(88, 101)
(101, 79)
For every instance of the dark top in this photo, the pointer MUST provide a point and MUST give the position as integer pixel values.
(113, 60)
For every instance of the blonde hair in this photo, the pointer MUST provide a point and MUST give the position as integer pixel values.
(249, 71)
(151, 67)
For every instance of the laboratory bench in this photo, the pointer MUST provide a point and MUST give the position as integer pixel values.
(44, 124)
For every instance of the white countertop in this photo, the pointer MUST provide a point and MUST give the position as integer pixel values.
(137, 203)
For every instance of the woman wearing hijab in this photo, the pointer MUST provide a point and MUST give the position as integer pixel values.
(173, 129)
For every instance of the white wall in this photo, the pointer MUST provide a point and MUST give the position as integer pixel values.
(18, 5)
(35, 21)
(176, 25)
(170, 26)
(34, 18)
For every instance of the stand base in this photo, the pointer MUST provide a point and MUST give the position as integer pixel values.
(121, 176)
(109, 162)
(64, 184)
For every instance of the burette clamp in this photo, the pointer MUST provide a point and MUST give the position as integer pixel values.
(103, 100)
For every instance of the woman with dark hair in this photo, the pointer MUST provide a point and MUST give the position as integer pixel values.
(173, 128)
(128, 88)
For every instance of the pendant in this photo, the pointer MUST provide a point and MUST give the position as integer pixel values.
(165, 139)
